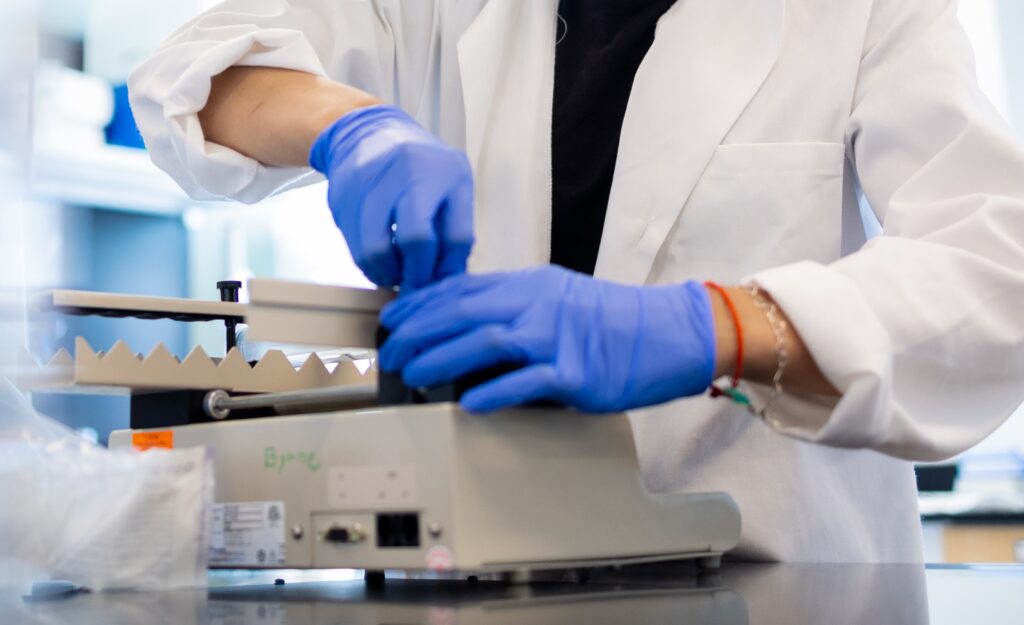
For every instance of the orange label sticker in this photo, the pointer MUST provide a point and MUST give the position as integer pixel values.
(144, 440)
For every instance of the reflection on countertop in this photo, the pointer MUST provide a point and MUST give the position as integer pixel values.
(761, 594)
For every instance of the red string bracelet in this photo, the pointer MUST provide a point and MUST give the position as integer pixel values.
(733, 392)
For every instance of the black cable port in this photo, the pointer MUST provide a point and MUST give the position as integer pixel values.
(337, 535)
(398, 529)
(344, 534)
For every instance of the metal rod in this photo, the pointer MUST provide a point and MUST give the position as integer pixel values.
(218, 404)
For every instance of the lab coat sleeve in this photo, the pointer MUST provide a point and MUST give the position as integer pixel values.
(360, 43)
(922, 330)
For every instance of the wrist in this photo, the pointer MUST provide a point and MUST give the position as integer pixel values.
(346, 100)
(759, 358)
(726, 339)
(335, 103)
(342, 135)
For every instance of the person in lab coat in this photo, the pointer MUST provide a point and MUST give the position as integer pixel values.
(654, 145)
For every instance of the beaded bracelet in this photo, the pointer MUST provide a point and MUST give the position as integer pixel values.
(778, 325)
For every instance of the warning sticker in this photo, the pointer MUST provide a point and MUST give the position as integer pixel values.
(247, 534)
(145, 440)
(439, 558)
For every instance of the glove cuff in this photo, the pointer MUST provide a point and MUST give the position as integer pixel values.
(349, 129)
(701, 317)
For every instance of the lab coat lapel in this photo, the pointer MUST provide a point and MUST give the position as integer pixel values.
(506, 63)
(708, 60)
(489, 48)
(481, 50)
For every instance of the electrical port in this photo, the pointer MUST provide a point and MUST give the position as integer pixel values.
(352, 533)
(398, 529)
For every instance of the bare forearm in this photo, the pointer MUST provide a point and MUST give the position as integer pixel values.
(275, 115)
(802, 375)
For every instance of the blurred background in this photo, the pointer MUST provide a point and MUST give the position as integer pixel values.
(108, 220)
(85, 209)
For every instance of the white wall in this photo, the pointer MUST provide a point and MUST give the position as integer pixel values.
(995, 28)
(981, 20)
(17, 55)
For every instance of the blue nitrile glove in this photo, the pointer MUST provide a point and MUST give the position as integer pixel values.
(402, 198)
(587, 343)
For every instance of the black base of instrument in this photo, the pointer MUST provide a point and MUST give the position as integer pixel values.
(173, 408)
(393, 391)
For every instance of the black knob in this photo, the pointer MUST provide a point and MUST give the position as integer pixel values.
(229, 290)
(229, 293)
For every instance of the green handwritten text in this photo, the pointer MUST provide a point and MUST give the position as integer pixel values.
(273, 460)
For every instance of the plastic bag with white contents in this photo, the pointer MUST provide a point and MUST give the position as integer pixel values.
(102, 519)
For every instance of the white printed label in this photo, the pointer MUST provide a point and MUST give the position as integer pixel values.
(247, 534)
(371, 488)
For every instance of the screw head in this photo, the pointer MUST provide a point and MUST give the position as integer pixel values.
(297, 532)
(212, 404)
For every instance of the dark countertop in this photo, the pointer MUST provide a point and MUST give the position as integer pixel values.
(766, 594)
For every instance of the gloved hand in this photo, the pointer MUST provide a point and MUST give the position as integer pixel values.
(402, 198)
(587, 343)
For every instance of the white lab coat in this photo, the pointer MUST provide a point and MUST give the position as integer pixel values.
(751, 127)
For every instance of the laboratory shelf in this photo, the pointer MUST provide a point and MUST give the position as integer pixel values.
(105, 176)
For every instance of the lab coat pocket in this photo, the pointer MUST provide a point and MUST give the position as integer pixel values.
(758, 205)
